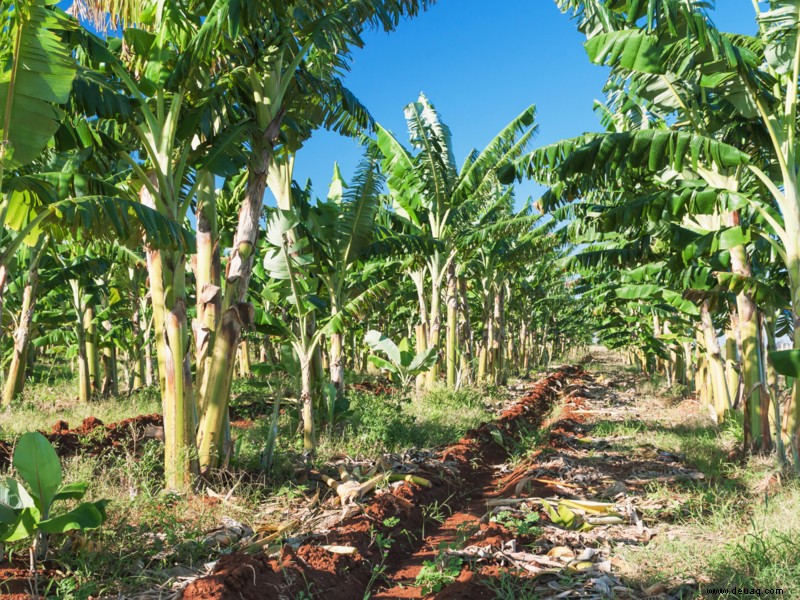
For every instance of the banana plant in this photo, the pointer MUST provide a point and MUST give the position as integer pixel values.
(298, 253)
(15, 378)
(184, 119)
(402, 364)
(28, 512)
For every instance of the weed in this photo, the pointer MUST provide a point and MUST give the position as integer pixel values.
(525, 526)
(434, 512)
(511, 586)
(384, 544)
(434, 575)
(391, 522)
(529, 440)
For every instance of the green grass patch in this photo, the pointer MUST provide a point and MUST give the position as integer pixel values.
(42, 405)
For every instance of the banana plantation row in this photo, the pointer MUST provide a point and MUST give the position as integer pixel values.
(136, 244)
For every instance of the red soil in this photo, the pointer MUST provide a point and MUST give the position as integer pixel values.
(94, 438)
(373, 388)
(321, 574)
(16, 582)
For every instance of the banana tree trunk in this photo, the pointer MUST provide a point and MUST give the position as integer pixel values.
(791, 427)
(765, 389)
(317, 370)
(767, 325)
(155, 270)
(211, 439)
(671, 365)
(207, 283)
(418, 277)
(452, 325)
(180, 411)
(3, 281)
(425, 319)
(237, 313)
(84, 384)
(137, 358)
(244, 360)
(523, 350)
(721, 397)
(434, 331)
(148, 355)
(110, 385)
(307, 404)
(421, 346)
(700, 379)
(511, 351)
(15, 381)
(465, 333)
(92, 352)
(751, 371)
(486, 335)
(336, 362)
(325, 352)
(167, 277)
(498, 364)
(731, 367)
(542, 345)
(686, 372)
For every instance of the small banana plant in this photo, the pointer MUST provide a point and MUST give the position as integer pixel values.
(401, 363)
(26, 511)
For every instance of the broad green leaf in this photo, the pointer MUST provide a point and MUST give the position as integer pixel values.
(630, 49)
(637, 292)
(38, 465)
(780, 29)
(733, 237)
(382, 363)
(786, 362)
(380, 343)
(423, 361)
(72, 491)
(84, 516)
(26, 524)
(679, 302)
(41, 81)
(13, 498)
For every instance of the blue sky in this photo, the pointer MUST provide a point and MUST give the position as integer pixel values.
(481, 62)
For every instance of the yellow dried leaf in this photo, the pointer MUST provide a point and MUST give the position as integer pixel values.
(561, 552)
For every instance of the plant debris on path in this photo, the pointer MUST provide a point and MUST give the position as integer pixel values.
(364, 551)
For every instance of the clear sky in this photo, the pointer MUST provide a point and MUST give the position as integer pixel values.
(480, 62)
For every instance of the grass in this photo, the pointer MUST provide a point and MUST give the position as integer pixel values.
(374, 424)
(42, 405)
(512, 586)
(729, 530)
(751, 544)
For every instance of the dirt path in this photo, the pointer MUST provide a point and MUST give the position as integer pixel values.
(536, 505)
(390, 539)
